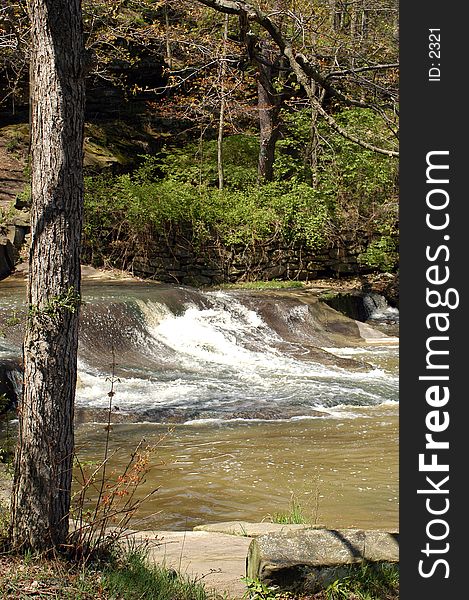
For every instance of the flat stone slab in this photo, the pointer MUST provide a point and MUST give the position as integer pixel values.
(218, 560)
(381, 546)
(313, 558)
(292, 556)
(245, 528)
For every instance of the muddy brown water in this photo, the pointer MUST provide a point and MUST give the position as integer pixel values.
(342, 472)
(251, 400)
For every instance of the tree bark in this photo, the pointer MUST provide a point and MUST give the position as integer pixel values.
(44, 457)
(221, 119)
(269, 132)
(268, 102)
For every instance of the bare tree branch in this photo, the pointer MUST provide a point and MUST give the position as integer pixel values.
(361, 69)
(302, 68)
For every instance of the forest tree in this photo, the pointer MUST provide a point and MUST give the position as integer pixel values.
(44, 458)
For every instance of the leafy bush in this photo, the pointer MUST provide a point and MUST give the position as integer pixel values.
(353, 192)
(196, 163)
(381, 254)
(343, 167)
(128, 207)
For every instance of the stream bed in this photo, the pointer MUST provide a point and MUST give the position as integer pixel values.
(252, 400)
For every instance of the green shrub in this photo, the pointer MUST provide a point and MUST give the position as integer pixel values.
(196, 163)
(354, 192)
(127, 207)
(381, 254)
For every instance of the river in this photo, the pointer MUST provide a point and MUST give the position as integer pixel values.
(250, 398)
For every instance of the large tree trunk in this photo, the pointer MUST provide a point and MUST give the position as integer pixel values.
(44, 458)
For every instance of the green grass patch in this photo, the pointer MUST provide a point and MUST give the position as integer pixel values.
(127, 577)
(135, 578)
(262, 285)
(369, 581)
(299, 512)
(294, 516)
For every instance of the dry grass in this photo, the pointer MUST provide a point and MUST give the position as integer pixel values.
(35, 577)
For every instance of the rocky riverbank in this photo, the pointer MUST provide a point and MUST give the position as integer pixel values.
(170, 256)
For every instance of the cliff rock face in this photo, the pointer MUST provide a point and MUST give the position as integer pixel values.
(114, 146)
(14, 222)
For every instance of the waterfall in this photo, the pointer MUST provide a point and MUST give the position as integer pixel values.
(185, 355)
(378, 309)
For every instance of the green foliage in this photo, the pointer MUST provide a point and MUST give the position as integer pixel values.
(68, 301)
(367, 124)
(293, 149)
(13, 144)
(257, 590)
(369, 581)
(300, 512)
(127, 576)
(295, 515)
(134, 578)
(25, 196)
(357, 187)
(136, 206)
(344, 169)
(352, 191)
(337, 590)
(196, 163)
(381, 254)
(5, 217)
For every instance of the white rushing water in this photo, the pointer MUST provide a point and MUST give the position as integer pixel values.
(221, 360)
(183, 355)
(248, 397)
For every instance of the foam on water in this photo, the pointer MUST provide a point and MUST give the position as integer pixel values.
(229, 363)
(184, 355)
(378, 309)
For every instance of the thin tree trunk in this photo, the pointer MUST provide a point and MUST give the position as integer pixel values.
(363, 27)
(332, 15)
(169, 55)
(353, 23)
(44, 458)
(354, 37)
(221, 120)
(269, 117)
(314, 142)
(269, 132)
